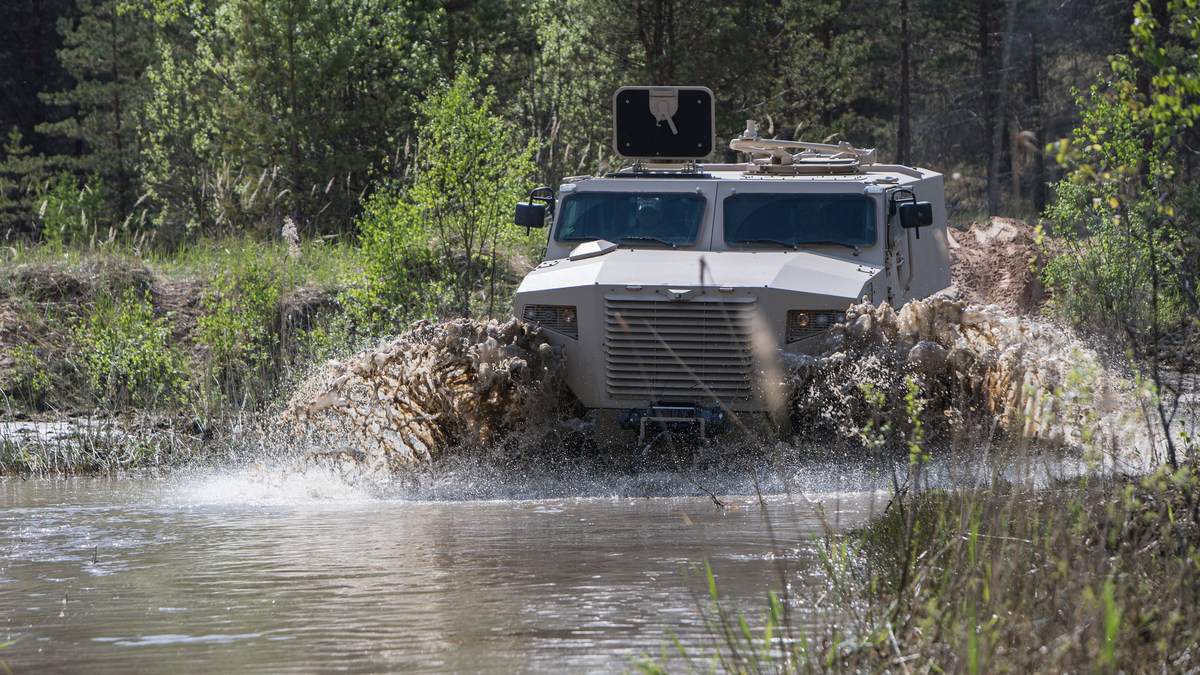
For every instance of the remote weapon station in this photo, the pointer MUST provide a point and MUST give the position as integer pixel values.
(662, 281)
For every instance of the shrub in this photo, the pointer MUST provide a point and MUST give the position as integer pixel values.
(239, 329)
(30, 381)
(129, 354)
(398, 266)
(441, 247)
(70, 212)
(21, 174)
(1113, 234)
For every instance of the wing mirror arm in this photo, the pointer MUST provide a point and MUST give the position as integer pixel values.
(533, 211)
(913, 214)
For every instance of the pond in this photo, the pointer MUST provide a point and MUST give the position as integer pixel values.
(236, 573)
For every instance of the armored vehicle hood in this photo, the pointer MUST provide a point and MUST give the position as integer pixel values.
(814, 273)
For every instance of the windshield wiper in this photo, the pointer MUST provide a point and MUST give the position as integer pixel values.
(795, 245)
(831, 242)
(664, 242)
(778, 242)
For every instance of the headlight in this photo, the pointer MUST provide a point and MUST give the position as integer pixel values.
(805, 323)
(558, 318)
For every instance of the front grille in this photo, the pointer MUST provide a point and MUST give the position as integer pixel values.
(685, 351)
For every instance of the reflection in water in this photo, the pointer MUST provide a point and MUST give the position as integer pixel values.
(228, 574)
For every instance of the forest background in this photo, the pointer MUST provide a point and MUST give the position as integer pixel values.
(227, 188)
(166, 109)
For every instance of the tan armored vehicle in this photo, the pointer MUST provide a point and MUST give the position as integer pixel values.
(663, 281)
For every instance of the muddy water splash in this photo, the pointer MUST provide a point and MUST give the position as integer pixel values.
(972, 371)
(489, 389)
(435, 388)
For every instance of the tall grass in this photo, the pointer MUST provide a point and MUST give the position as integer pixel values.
(323, 264)
(93, 445)
(1092, 574)
(1010, 571)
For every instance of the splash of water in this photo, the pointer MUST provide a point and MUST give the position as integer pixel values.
(266, 486)
(973, 372)
(495, 390)
(436, 387)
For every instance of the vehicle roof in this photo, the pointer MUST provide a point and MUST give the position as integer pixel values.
(878, 174)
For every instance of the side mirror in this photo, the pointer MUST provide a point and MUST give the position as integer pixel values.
(913, 214)
(916, 214)
(532, 213)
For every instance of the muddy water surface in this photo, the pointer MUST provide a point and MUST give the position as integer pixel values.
(227, 574)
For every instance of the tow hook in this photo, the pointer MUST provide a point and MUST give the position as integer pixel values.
(676, 419)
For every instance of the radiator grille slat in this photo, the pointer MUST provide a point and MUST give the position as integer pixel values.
(694, 351)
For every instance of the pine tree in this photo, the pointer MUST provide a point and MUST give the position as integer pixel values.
(106, 52)
(22, 175)
(29, 44)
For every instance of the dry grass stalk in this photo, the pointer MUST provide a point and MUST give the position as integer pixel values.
(292, 237)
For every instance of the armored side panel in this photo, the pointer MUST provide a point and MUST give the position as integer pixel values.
(927, 269)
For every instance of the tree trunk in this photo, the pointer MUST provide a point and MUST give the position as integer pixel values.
(1035, 107)
(1001, 116)
(123, 179)
(826, 44)
(1158, 10)
(986, 72)
(293, 118)
(904, 127)
(656, 31)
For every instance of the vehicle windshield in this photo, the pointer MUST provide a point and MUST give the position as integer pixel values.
(656, 218)
(794, 220)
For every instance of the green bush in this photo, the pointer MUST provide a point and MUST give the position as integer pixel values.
(70, 212)
(239, 328)
(398, 267)
(441, 247)
(30, 381)
(21, 175)
(129, 353)
(1128, 207)
(1110, 235)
